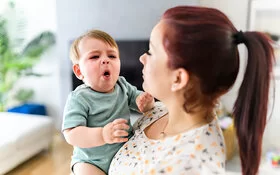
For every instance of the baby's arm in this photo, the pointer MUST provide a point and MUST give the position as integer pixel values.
(145, 102)
(86, 137)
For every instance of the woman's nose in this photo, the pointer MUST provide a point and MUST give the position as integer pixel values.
(142, 58)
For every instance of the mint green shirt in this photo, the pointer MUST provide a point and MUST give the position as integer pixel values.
(86, 107)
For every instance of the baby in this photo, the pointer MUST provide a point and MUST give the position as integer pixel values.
(96, 117)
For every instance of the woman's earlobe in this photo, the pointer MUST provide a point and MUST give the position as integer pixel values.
(77, 71)
(174, 87)
(180, 80)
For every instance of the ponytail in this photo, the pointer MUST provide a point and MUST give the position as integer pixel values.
(250, 108)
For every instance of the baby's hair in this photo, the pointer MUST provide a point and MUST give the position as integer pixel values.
(97, 34)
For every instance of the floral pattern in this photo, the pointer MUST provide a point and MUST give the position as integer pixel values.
(196, 152)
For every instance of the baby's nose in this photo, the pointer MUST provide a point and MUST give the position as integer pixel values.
(105, 61)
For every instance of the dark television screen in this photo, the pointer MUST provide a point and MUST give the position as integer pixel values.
(131, 68)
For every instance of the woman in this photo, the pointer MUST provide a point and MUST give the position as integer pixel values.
(192, 61)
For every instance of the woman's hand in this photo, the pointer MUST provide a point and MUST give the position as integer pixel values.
(116, 131)
(145, 102)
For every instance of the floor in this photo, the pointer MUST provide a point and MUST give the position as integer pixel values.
(55, 161)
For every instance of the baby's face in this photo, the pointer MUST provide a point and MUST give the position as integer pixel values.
(99, 64)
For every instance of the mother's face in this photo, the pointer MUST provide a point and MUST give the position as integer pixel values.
(156, 74)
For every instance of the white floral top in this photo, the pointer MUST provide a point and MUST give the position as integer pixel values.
(196, 152)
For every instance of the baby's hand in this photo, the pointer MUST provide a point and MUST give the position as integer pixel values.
(145, 102)
(115, 131)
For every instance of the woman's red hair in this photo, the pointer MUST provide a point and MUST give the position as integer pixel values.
(202, 41)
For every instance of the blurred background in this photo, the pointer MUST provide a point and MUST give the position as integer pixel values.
(44, 78)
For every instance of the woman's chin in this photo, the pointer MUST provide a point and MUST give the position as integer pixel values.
(145, 88)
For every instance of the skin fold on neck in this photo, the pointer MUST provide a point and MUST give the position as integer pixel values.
(178, 121)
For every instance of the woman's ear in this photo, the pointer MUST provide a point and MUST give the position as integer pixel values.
(77, 71)
(180, 79)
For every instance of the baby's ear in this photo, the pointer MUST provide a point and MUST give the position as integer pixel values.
(77, 71)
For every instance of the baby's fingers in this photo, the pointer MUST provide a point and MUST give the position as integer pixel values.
(120, 133)
(120, 140)
(121, 126)
(119, 121)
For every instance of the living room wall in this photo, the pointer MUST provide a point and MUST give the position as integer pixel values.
(123, 20)
(27, 20)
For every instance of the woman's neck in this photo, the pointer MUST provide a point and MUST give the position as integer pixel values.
(179, 120)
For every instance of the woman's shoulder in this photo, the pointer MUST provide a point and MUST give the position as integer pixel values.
(203, 148)
(149, 117)
(207, 137)
(209, 146)
(211, 134)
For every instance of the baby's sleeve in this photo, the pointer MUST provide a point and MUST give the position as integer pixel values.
(74, 113)
(132, 93)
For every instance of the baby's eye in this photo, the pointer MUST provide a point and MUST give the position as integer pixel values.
(94, 57)
(112, 56)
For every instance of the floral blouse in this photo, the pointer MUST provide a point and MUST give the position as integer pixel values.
(200, 151)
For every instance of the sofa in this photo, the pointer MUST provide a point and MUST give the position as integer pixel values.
(21, 137)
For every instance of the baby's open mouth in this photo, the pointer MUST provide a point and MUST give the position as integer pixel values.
(106, 73)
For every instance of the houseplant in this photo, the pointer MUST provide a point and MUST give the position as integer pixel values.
(15, 63)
